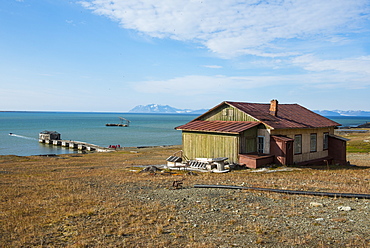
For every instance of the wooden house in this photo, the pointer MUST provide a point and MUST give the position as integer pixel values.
(257, 134)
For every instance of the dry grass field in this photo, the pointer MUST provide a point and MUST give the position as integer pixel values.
(102, 200)
(359, 142)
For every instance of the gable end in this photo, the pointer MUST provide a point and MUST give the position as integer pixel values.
(225, 112)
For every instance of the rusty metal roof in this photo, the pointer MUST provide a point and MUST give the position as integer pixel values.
(288, 115)
(282, 138)
(219, 126)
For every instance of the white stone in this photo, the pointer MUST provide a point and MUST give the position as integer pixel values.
(343, 208)
(316, 204)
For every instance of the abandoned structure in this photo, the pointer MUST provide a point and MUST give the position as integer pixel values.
(53, 138)
(49, 135)
(255, 134)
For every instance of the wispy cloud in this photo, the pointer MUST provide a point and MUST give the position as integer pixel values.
(351, 72)
(232, 28)
(45, 74)
(359, 65)
(275, 45)
(196, 85)
(213, 66)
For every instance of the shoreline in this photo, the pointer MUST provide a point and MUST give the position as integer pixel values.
(128, 148)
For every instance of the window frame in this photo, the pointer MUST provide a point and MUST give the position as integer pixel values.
(325, 144)
(297, 146)
(313, 142)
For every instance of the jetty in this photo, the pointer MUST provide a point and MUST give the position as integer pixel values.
(53, 138)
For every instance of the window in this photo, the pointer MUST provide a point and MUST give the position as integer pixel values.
(298, 144)
(260, 144)
(326, 141)
(313, 142)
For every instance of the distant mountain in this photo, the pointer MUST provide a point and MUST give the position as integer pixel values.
(342, 112)
(156, 108)
(326, 113)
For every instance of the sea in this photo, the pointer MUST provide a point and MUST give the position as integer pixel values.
(144, 130)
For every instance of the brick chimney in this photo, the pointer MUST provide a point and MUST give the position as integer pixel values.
(274, 107)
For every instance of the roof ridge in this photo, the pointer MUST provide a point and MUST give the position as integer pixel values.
(252, 103)
(221, 121)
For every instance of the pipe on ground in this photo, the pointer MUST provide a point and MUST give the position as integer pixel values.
(295, 192)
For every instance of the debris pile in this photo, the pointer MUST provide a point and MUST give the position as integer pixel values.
(199, 164)
(151, 169)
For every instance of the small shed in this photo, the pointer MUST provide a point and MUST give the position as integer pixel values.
(49, 135)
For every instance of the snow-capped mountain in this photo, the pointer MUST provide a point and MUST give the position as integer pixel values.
(156, 108)
(342, 112)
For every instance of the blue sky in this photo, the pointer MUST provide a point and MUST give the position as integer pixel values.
(111, 55)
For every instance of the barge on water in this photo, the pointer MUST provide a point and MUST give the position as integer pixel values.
(121, 124)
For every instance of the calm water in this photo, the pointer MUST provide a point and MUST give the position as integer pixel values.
(351, 121)
(144, 130)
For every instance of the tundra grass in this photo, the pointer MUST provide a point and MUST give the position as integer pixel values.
(358, 142)
(91, 200)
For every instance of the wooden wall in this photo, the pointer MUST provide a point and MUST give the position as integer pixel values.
(213, 145)
(306, 154)
(337, 150)
(227, 113)
(248, 141)
(210, 145)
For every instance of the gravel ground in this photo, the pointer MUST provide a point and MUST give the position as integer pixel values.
(241, 218)
(103, 201)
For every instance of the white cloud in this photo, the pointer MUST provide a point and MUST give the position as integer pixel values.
(233, 27)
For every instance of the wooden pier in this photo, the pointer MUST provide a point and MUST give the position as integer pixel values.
(75, 145)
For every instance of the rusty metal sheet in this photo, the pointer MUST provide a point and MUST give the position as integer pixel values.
(288, 115)
(282, 138)
(218, 126)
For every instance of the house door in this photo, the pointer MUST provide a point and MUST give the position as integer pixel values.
(289, 152)
(250, 145)
(260, 144)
